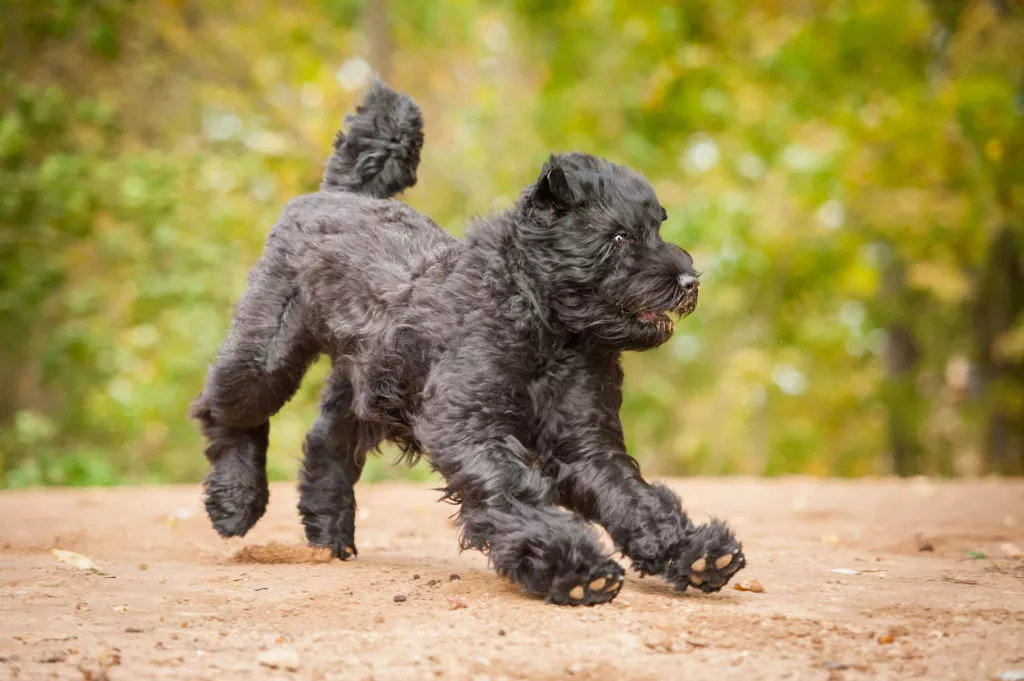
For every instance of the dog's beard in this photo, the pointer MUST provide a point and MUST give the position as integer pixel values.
(647, 319)
(623, 329)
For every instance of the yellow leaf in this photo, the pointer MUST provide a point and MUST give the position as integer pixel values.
(940, 279)
(994, 149)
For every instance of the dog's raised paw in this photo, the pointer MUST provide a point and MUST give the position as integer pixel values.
(601, 586)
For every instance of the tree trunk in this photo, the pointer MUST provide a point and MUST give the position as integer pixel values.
(998, 307)
(378, 37)
(901, 358)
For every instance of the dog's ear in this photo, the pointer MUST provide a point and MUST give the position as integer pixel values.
(553, 187)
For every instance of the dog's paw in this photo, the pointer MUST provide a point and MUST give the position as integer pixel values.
(708, 560)
(336, 533)
(338, 550)
(600, 586)
(234, 505)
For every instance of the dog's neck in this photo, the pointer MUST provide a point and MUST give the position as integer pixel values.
(500, 236)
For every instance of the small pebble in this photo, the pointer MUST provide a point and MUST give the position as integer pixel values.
(659, 641)
(280, 658)
(455, 603)
(452, 577)
(751, 585)
(399, 598)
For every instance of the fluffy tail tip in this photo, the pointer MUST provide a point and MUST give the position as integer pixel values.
(380, 152)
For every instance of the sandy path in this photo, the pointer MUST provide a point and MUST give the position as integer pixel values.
(177, 602)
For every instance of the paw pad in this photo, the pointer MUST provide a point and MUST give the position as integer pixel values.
(600, 589)
(711, 574)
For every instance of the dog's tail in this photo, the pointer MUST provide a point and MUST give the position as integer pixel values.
(379, 154)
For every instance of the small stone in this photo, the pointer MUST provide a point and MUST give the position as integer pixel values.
(452, 577)
(924, 545)
(399, 598)
(751, 585)
(959, 579)
(886, 639)
(659, 641)
(1011, 550)
(280, 658)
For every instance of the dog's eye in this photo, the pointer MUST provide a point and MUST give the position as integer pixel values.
(620, 238)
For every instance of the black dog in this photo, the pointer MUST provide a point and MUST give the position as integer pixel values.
(498, 356)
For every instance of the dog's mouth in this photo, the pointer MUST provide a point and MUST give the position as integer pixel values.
(655, 319)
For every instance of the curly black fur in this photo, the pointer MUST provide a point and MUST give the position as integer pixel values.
(497, 355)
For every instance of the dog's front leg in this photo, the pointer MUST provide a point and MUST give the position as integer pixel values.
(469, 425)
(585, 450)
(647, 523)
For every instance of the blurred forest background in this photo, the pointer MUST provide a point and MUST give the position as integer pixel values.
(848, 173)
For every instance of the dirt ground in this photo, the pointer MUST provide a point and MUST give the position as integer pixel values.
(931, 585)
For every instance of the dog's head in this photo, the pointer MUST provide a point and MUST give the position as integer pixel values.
(592, 235)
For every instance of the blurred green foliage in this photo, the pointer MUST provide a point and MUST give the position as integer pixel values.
(849, 175)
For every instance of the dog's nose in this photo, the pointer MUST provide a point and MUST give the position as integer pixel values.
(689, 282)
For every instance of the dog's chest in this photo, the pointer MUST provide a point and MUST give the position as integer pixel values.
(554, 380)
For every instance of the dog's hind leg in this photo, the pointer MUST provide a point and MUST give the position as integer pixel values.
(258, 368)
(336, 449)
